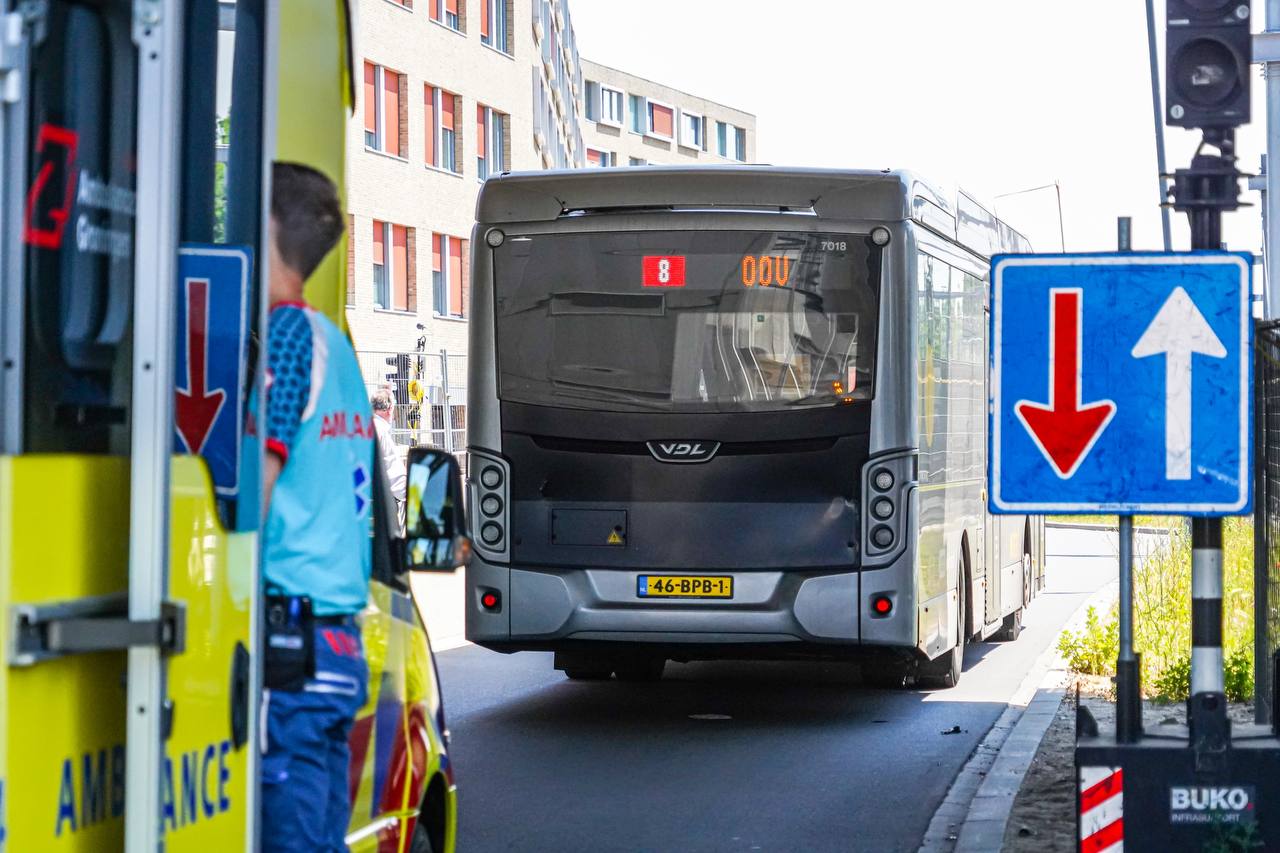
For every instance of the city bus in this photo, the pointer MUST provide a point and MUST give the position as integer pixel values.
(736, 412)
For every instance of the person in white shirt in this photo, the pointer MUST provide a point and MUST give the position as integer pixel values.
(382, 402)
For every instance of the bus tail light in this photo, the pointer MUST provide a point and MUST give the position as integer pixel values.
(882, 605)
(888, 486)
(490, 491)
(491, 600)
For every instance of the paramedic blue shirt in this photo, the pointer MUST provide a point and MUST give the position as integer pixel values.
(318, 422)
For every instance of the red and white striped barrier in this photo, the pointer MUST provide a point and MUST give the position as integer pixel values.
(1101, 810)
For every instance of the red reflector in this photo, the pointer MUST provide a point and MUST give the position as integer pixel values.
(663, 271)
(882, 605)
(489, 600)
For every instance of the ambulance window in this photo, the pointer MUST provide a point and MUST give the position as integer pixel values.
(78, 229)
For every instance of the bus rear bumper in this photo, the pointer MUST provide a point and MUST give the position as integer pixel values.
(545, 609)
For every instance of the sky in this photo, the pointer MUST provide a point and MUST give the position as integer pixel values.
(995, 96)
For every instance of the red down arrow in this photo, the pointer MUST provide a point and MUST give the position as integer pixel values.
(196, 407)
(1065, 430)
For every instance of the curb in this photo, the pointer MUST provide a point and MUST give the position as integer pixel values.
(973, 815)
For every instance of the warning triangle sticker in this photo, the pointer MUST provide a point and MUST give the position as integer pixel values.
(615, 538)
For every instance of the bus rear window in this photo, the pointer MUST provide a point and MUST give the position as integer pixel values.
(687, 321)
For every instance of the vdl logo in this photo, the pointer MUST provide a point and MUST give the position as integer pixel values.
(683, 451)
(1204, 804)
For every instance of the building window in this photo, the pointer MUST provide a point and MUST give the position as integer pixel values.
(494, 18)
(392, 266)
(639, 113)
(604, 104)
(731, 141)
(661, 120)
(637, 161)
(446, 276)
(441, 129)
(384, 109)
(492, 131)
(692, 133)
(451, 13)
(601, 158)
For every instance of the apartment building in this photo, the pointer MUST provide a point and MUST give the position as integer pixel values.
(448, 98)
(631, 121)
(452, 91)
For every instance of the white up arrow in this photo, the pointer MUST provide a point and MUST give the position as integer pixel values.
(1178, 331)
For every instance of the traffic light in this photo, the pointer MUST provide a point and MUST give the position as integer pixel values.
(1208, 49)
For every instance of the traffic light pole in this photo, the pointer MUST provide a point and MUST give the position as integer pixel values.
(1204, 192)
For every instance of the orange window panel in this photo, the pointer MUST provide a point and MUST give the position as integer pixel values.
(391, 111)
(484, 17)
(480, 134)
(662, 120)
(455, 276)
(370, 97)
(446, 110)
(436, 252)
(379, 242)
(400, 267)
(451, 6)
(430, 125)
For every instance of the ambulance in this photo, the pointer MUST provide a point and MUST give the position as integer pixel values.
(132, 310)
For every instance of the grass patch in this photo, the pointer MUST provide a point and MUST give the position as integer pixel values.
(1161, 521)
(1162, 618)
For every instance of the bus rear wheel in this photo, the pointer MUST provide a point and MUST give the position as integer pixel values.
(641, 670)
(1012, 627)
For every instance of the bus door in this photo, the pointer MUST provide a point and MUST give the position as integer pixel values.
(119, 582)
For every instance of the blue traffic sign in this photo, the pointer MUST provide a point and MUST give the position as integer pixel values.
(1121, 383)
(212, 329)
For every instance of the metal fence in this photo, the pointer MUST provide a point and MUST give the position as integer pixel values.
(430, 393)
(1266, 527)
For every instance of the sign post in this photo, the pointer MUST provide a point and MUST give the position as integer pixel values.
(1121, 384)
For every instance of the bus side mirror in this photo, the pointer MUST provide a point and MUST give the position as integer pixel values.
(437, 538)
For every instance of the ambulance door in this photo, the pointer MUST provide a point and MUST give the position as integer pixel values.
(208, 779)
(68, 254)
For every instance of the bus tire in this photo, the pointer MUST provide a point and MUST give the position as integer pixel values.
(1012, 627)
(944, 672)
(642, 670)
(883, 676)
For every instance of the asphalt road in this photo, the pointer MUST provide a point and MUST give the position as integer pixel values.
(730, 756)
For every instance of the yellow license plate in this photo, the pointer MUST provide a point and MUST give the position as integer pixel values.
(683, 586)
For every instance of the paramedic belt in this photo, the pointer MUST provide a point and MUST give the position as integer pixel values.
(290, 657)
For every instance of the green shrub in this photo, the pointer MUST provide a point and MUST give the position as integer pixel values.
(1239, 675)
(1162, 618)
(1093, 649)
(1174, 683)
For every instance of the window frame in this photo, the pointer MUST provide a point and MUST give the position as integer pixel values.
(639, 117)
(495, 133)
(604, 92)
(700, 145)
(445, 287)
(492, 40)
(650, 103)
(438, 130)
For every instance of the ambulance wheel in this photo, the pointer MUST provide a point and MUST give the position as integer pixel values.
(944, 672)
(642, 670)
(421, 841)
